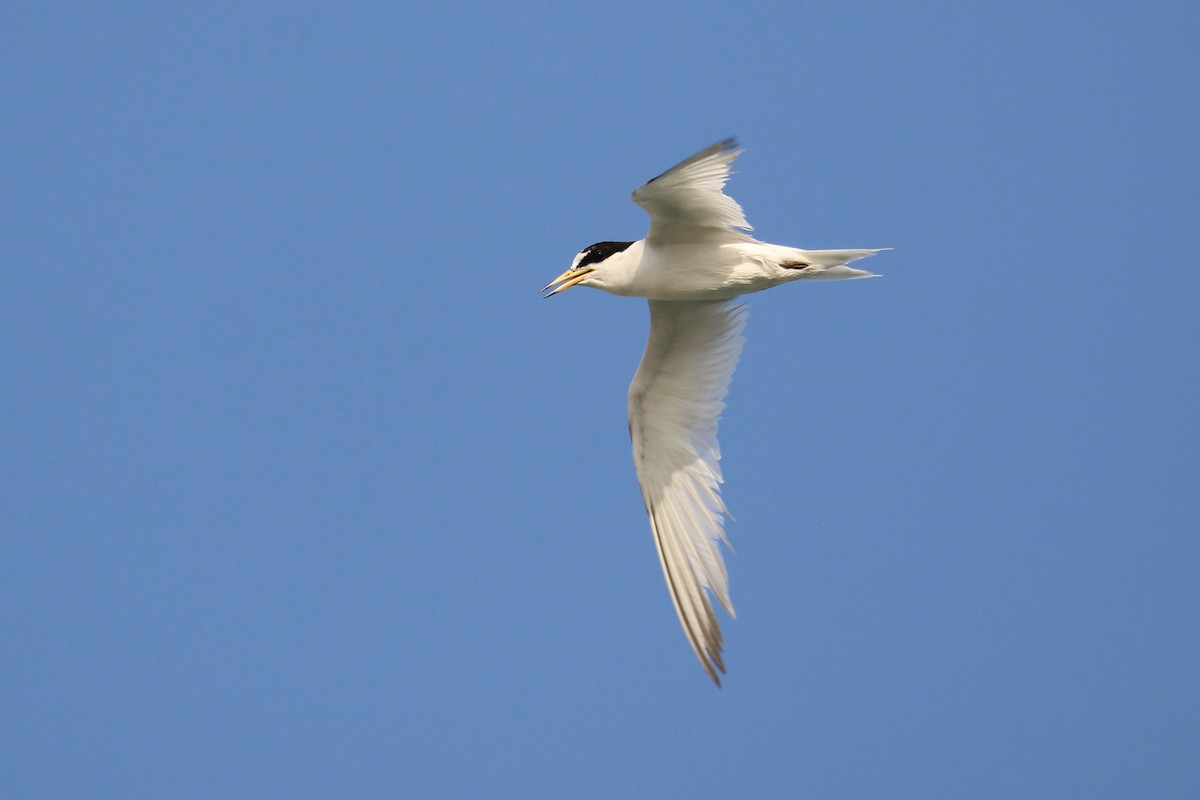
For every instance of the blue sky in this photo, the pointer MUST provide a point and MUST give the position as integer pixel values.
(306, 493)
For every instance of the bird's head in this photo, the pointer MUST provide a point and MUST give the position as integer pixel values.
(589, 265)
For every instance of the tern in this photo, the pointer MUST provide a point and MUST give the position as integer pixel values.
(695, 259)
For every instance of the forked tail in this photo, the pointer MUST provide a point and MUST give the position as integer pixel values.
(832, 263)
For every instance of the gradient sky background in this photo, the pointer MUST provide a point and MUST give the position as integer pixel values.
(307, 494)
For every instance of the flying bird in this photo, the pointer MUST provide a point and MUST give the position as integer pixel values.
(695, 259)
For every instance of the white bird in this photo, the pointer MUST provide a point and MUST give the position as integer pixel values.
(692, 262)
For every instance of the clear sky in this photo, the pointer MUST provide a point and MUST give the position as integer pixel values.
(305, 492)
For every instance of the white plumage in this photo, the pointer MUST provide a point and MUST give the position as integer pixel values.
(693, 260)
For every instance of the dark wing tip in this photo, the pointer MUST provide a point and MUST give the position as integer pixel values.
(723, 146)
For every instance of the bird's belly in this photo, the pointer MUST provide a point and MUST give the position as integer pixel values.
(699, 272)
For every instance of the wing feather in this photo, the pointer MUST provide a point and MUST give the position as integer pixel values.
(675, 401)
(687, 202)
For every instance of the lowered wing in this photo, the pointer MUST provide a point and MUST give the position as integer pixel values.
(675, 400)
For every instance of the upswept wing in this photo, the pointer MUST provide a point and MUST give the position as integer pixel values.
(675, 401)
(686, 203)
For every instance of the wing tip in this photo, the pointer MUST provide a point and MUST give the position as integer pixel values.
(728, 145)
(712, 673)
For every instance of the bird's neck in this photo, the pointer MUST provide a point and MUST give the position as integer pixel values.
(620, 272)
